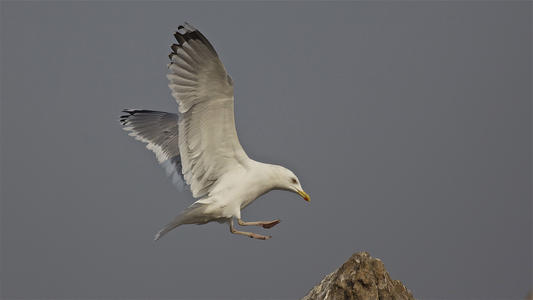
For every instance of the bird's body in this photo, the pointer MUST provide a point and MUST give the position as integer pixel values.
(199, 145)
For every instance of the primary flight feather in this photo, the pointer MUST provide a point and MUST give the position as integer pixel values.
(199, 146)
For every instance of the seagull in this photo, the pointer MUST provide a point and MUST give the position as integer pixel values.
(199, 147)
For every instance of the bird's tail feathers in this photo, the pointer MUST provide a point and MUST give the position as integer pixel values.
(193, 214)
(167, 228)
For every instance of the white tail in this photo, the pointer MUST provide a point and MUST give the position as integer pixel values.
(166, 229)
(194, 214)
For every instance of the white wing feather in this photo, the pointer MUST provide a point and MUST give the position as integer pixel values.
(208, 142)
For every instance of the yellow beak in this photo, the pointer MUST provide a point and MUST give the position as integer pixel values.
(304, 195)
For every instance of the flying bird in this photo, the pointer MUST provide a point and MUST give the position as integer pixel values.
(199, 146)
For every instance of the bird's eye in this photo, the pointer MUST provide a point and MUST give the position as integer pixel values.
(294, 180)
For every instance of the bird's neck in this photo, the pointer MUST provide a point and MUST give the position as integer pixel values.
(270, 176)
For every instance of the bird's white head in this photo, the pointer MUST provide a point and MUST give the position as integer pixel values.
(286, 180)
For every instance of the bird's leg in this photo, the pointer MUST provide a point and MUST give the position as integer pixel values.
(265, 224)
(249, 234)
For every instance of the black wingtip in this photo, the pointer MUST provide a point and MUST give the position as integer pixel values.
(124, 118)
(179, 37)
(130, 112)
(184, 34)
(175, 48)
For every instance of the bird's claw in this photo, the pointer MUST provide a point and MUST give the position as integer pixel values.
(271, 224)
(260, 237)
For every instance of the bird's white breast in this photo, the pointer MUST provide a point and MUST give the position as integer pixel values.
(241, 186)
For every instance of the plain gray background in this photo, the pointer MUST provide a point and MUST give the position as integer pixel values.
(408, 123)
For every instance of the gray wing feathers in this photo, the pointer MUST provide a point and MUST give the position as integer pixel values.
(159, 130)
(204, 92)
(196, 73)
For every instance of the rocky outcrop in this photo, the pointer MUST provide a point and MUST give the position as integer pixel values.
(360, 277)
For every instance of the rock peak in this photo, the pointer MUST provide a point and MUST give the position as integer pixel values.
(360, 277)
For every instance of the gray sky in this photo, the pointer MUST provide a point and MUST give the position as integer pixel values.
(408, 123)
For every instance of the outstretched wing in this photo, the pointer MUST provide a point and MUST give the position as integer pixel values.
(208, 141)
(159, 130)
